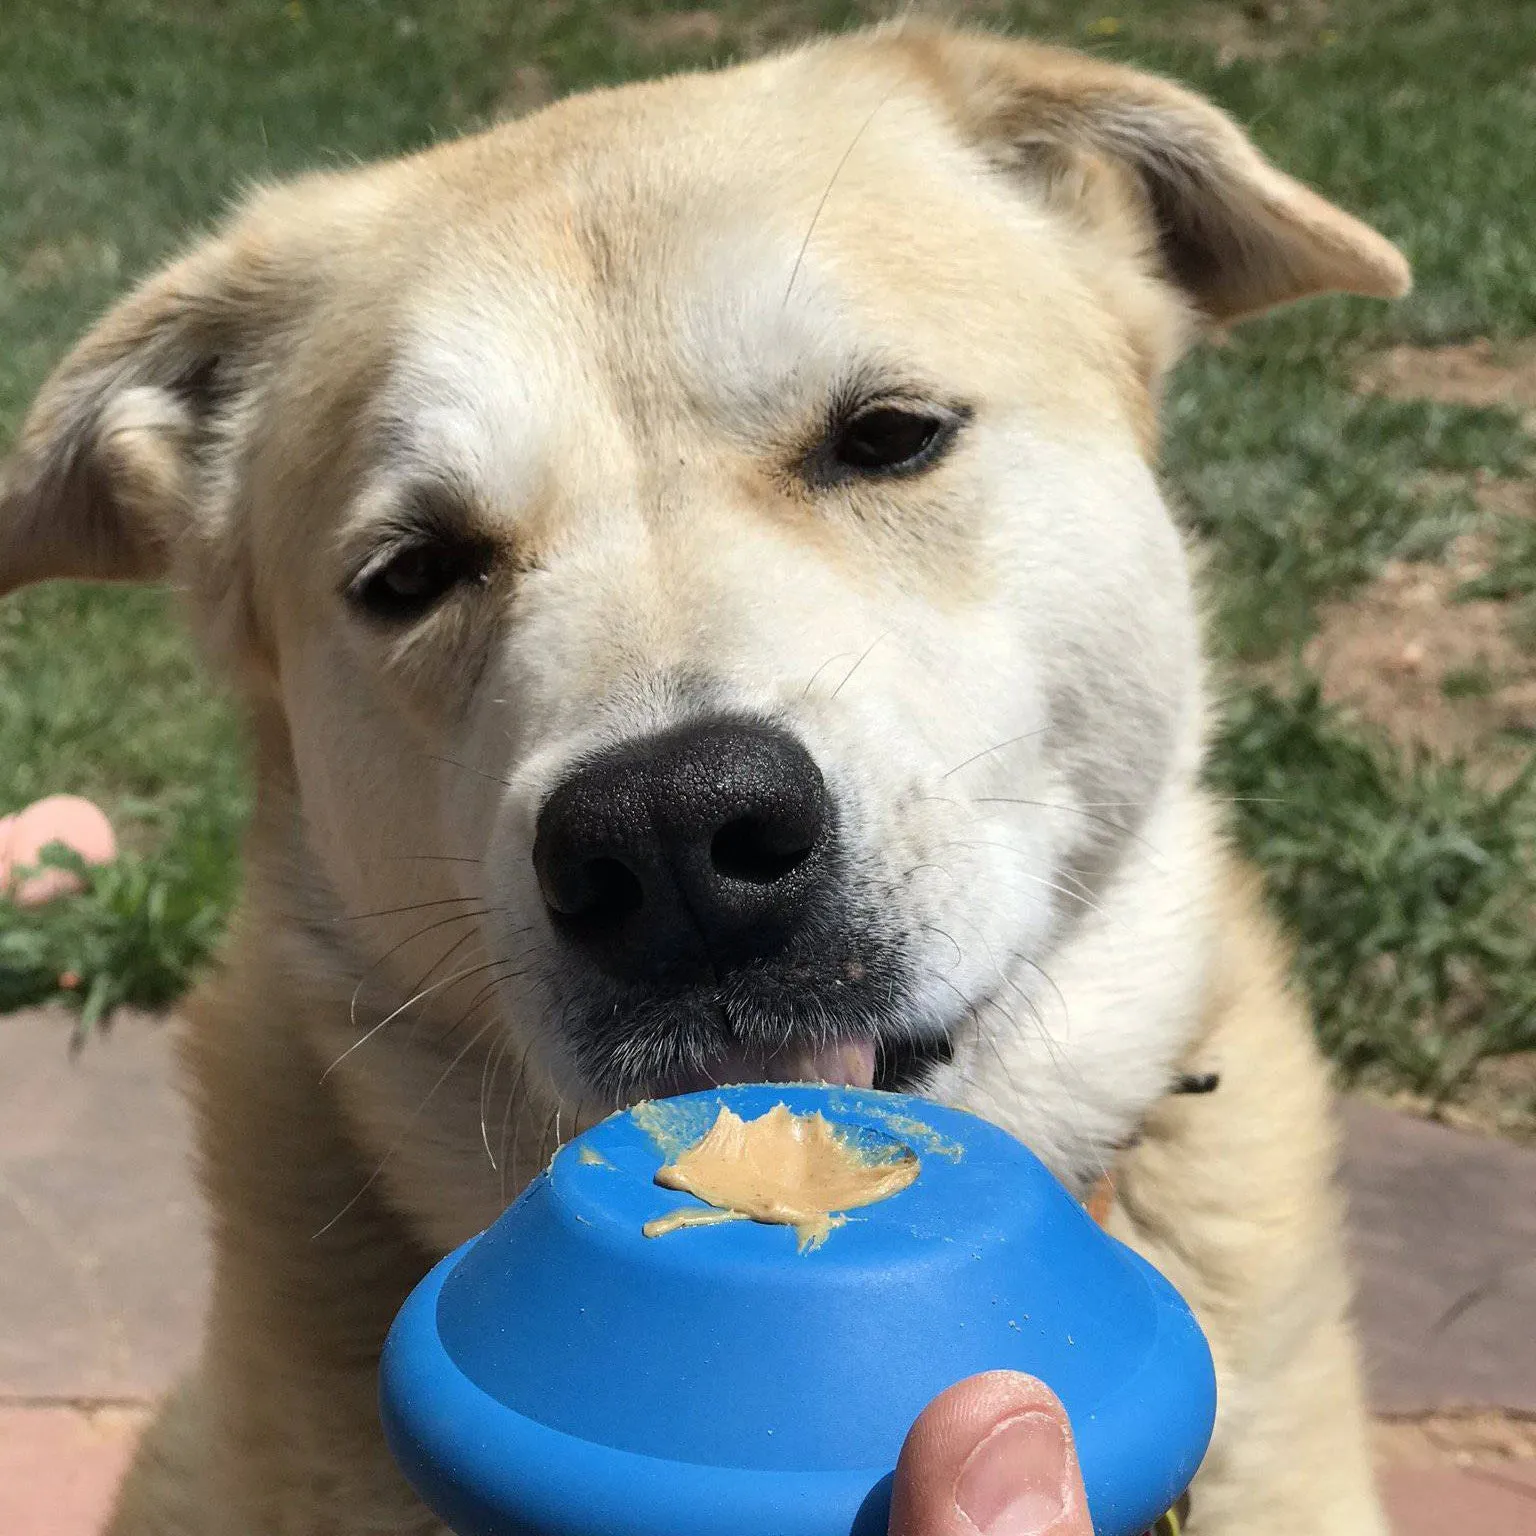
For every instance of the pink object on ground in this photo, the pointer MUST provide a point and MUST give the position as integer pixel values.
(67, 819)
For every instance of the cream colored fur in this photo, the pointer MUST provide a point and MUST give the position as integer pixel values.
(601, 339)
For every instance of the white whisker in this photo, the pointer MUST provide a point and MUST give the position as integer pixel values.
(416, 998)
(383, 1162)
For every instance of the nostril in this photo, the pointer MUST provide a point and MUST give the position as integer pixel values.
(603, 891)
(757, 851)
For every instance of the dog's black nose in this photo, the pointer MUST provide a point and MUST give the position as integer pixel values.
(684, 855)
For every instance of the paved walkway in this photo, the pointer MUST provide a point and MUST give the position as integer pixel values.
(103, 1269)
(1444, 1228)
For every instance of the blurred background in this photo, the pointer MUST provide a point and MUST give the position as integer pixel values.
(1359, 474)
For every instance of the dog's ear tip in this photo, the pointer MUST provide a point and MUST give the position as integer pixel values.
(1357, 258)
(1383, 272)
(1315, 248)
(1236, 235)
(1396, 273)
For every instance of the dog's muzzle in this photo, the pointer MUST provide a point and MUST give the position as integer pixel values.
(710, 932)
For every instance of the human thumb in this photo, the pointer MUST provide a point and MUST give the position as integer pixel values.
(991, 1456)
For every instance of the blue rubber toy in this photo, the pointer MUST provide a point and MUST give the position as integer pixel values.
(563, 1374)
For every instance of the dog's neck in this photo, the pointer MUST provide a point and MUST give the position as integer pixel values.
(1107, 1021)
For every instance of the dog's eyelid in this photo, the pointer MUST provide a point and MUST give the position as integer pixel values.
(892, 433)
(379, 556)
(868, 389)
(898, 397)
(951, 414)
(425, 515)
(414, 564)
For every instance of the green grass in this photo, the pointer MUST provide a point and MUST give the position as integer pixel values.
(144, 926)
(1474, 682)
(101, 695)
(1511, 576)
(1408, 889)
(127, 124)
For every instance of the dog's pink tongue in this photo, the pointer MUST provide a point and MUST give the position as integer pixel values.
(850, 1063)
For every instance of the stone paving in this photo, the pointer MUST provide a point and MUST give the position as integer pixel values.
(103, 1269)
(102, 1261)
(1444, 1231)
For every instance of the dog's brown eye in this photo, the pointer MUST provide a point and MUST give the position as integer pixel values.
(886, 438)
(413, 578)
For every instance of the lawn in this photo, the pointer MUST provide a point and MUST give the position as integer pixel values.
(1409, 881)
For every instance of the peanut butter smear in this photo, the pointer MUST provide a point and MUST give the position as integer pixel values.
(784, 1169)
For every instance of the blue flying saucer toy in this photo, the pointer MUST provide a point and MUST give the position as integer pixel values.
(566, 1374)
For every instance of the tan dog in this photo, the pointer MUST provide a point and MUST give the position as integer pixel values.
(695, 567)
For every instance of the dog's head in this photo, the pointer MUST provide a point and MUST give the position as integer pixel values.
(706, 529)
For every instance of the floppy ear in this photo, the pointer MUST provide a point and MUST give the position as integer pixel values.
(1233, 232)
(101, 483)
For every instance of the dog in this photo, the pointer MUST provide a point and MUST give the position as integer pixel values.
(695, 569)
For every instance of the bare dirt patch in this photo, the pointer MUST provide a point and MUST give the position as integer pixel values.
(1507, 498)
(1434, 673)
(1501, 1096)
(1257, 29)
(1497, 1099)
(529, 87)
(675, 29)
(52, 263)
(1481, 372)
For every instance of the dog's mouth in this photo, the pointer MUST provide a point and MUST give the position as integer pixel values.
(837, 1004)
(855, 1063)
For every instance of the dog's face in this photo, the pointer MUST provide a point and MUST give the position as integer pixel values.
(706, 531)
